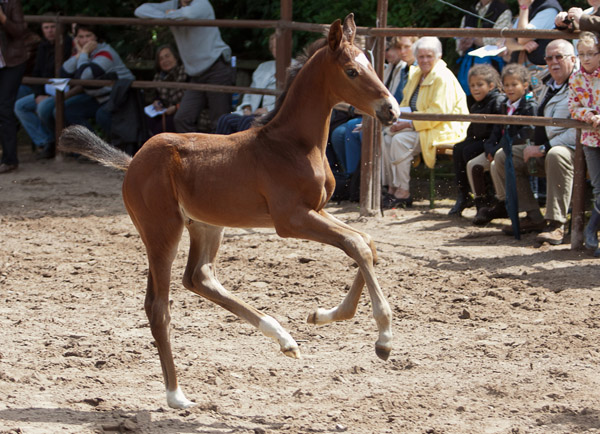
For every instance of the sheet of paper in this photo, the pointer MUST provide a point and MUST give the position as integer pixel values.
(152, 112)
(487, 50)
(61, 84)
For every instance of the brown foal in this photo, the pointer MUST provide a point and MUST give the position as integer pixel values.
(276, 175)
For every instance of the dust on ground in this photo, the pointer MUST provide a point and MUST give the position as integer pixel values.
(491, 334)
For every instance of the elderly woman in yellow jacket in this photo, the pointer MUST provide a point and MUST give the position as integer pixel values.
(431, 88)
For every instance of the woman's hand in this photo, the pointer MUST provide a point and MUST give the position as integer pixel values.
(575, 14)
(3, 17)
(158, 106)
(399, 126)
(559, 21)
(592, 118)
(89, 47)
(525, 4)
(171, 110)
(530, 46)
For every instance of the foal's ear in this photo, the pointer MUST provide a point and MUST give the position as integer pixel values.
(349, 28)
(335, 35)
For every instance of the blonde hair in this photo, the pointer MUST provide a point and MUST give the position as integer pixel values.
(588, 37)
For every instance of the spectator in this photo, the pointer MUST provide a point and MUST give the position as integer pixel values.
(400, 58)
(28, 108)
(94, 59)
(207, 59)
(484, 82)
(584, 105)
(13, 58)
(346, 139)
(579, 19)
(533, 14)
(168, 68)
(487, 14)
(431, 88)
(515, 80)
(553, 149)
(253, 105)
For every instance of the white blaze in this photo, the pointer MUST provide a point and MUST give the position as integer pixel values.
(362, 60)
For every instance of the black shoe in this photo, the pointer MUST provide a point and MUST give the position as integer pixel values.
(487, 214)
(462, 202)
(6, 168)
(47, 153)
(390, 201)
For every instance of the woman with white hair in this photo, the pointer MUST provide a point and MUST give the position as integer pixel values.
(431, 88)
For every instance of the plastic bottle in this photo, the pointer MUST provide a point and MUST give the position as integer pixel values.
(532, 163)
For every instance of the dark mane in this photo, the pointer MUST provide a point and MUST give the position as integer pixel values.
(292, 72)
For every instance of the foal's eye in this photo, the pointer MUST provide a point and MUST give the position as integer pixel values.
(351, 73)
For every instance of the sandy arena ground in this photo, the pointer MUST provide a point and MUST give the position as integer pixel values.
(492, 335)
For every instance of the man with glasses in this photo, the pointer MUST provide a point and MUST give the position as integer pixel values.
(554, 151)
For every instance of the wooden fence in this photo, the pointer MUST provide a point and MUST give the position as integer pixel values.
(371, 146)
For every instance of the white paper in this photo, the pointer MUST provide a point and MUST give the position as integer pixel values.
(55, 84)
(61, 84)
(152, 112)
(487, 50)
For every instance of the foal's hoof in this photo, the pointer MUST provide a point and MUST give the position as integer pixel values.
(292, 352)
(176, 399)
(382, 352)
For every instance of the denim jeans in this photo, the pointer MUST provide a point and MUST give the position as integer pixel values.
(592, 159)
(46, 113)
(26, 111)
(80, 109)
(347, 145)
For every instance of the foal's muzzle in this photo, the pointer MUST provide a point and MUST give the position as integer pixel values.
(388, 111)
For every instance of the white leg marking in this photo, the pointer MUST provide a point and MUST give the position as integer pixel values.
(176, 399)
(272, 329)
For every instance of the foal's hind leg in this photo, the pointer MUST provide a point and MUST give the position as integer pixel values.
(161, 244)
(200, 278)
(347, 308)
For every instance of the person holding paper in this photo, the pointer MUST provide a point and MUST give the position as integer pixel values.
(30, 108)
(166, 101)
(484, 14)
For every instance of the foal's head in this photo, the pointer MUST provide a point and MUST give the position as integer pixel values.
(353, 79)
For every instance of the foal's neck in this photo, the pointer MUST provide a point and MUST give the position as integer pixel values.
(307, 108)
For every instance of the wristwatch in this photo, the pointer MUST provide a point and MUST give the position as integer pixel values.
(543, 149)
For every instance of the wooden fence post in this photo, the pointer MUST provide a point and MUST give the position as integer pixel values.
(577, 214)
(283, 44)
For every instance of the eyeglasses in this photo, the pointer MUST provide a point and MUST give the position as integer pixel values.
(557, 57)
(587, 55)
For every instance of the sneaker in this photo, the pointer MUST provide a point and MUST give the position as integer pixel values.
(526, 225)
(552, 234)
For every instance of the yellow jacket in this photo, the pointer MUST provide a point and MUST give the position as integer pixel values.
(440, 92)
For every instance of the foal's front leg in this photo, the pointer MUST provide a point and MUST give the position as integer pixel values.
(320, 226)
(347, 308)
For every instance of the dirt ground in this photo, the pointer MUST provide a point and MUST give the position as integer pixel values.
(491, 335)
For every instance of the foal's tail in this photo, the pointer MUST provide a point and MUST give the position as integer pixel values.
(80, 140)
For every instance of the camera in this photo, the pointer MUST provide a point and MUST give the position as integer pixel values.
(568, 21)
